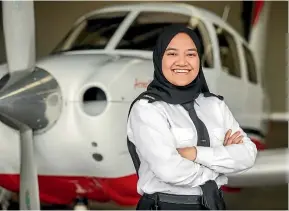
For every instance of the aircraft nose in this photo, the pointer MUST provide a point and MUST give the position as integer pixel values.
(34, 100)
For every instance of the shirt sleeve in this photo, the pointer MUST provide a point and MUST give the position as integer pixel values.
(228, 159)
(156, 145)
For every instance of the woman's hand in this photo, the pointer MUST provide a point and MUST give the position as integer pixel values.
(236, 138)
(189, 153)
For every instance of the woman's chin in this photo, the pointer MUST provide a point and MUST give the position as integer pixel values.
(181, 83)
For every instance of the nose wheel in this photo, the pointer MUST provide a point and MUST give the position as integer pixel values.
(5, 198)
(81, 203)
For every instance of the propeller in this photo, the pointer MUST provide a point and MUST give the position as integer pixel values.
(19, 35)
(30, 100)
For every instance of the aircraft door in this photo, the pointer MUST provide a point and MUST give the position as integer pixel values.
(256, 101)
(230, 80)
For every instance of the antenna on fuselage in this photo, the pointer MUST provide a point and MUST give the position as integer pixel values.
(226, 12)
(224, 17)
(219, 30)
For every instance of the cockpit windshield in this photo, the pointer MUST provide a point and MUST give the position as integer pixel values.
(92, 33)
(95, 32)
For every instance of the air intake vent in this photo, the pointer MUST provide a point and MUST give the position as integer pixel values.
(94, 101)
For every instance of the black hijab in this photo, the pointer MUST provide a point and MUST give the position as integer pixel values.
(160, 88)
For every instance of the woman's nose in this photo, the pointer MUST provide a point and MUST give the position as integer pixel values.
(182, 60)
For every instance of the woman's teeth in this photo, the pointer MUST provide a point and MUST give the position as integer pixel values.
(181, 71)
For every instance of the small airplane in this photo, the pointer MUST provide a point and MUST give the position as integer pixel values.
(63, 118)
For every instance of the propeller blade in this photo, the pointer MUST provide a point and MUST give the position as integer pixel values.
(19, 34)
(29, 192)
(32, 103)
(271, 168)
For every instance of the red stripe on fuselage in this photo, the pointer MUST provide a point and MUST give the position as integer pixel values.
(257, 10)
(260, 146)
(63, 189)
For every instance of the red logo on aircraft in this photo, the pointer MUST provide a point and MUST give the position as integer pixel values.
(141, 84)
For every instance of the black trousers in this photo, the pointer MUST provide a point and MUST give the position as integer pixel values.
(146, 203)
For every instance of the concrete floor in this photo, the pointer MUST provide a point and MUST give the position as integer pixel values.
(265, 198)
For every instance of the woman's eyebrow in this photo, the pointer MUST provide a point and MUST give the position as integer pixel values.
(171, 49)
(192, 49)
(174, 49)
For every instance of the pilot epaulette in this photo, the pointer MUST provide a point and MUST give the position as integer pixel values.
(149, 98)
(220, 97)
(142, 96)
(209, 94)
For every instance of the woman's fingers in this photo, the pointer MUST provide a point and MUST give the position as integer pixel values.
(234, 139)
(227, 136)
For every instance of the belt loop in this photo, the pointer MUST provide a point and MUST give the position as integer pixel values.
(156, 199)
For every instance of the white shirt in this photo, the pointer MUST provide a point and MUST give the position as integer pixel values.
(158, 129)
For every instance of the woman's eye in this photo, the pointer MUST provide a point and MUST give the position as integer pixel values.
(172, 54)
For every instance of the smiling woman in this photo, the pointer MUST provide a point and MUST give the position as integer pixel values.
(171, 131)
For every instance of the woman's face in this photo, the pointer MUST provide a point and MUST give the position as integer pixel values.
(180, 63)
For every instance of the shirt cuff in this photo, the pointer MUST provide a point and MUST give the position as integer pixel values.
(204, 156)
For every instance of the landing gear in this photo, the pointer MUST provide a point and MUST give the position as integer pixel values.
(81, 203)
(5, 197)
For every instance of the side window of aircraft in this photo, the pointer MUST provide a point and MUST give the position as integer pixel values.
(94, 32)
(201, 30)
(228, 52)
(251, 67)
(144, 31)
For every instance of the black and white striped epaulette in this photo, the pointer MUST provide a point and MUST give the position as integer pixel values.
(145, 96)
(150, 98)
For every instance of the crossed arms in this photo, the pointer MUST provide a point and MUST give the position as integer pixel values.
(188, 166)
(190, 153)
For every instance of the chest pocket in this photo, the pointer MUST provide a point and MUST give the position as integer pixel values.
(217, 136)
(185, 137)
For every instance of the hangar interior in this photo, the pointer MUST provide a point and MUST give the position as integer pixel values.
(54, 19)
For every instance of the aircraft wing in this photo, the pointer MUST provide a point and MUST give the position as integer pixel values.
(271, 168)
(281, 117)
